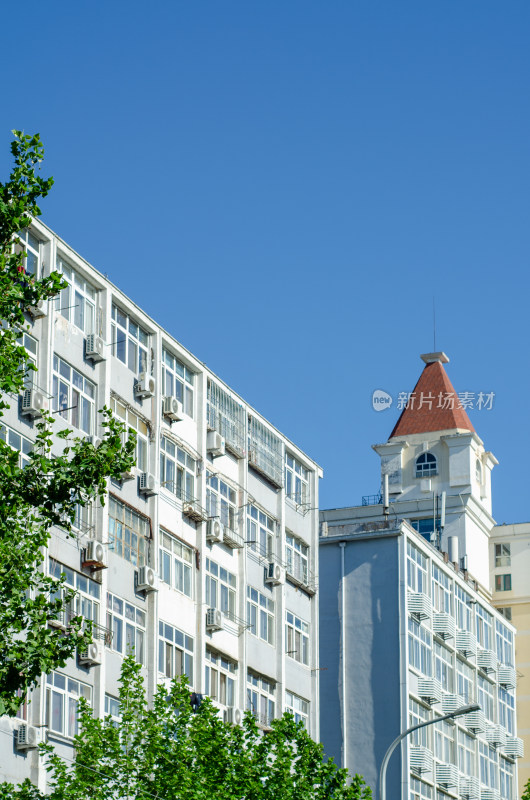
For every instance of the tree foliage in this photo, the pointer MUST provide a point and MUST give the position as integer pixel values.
(63, 471)
(165, 750)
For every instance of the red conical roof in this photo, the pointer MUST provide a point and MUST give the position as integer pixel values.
(433, 405)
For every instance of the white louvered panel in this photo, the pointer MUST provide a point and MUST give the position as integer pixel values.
(496, 735)
(469, 789)
(475, 721)
(466, 643)
(420, 759)
(444, 625)
(450, 702)
(507, 677)
(429, 689)
(447, 775)
(420, 605)
(487, 660)
(514, 747)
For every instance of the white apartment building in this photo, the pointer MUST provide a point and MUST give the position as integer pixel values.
(204, 558)
(407, 628)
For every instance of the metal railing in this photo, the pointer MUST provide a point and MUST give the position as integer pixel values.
(372, 499)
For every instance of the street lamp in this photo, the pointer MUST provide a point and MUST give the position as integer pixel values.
(382, 772)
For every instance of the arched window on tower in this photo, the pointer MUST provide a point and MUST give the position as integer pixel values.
(426, 465)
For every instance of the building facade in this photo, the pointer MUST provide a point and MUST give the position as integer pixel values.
(406, 621)
(203, 561)
(510, 582)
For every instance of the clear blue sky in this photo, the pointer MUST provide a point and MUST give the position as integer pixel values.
(285, 186)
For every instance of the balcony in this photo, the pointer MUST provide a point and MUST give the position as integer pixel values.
(487, 660)
(466, 643)
(421, 759)
(469, 789)
(302, 577)
(447, 775)
(420, 605)
(507, 677)
(429, 689)
(193, 510)
(443, 624)
(232, 538)
(514, 747)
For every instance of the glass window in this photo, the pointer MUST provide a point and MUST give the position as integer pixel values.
(503, 583)
(26, 242)
(298, 707)
(444, 742)
(297, 558)
(177, 381)
(175, 563)
(73, 396)
(31, 346)
(175, 652)
(177, 470)
(62, 697)
(484, 622)
(127, 625)
(507, 710)
(265, 451)
(465, 681)
(112, 710)
(466, 754)
(502, 555)
(226, 416)
(443, 667)
(129, 341)
(296, 480)
(418, 714)
(420, 647)
(425, 465)
(221, 588)
(488, 765)
(504, 638)
(128, 533)
(506, 612)
(419, 790)
(17, 442)
(260, 615)
(220, 680)
(485, 698)
(260, 531)
(462, 609)
(77, 301)
(416, 569)
(221, 501)
(507, 771)
(296, 638)
(138, 424)
(88, 591)
(441, 590)
(261, 693)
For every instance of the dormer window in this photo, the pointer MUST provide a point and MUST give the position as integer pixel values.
(426, 465)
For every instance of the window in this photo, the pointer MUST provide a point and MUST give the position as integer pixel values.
(62, 697)
(260, 531)
(488, 765)
(221, 501)
(466, 754)
(485, 698)
(30, 245)
(31, 346)
(128, 533)
(297, 558)
(441, 590)
(420, 647)
(129, 341)
(139, 425)
(220, 681)
(261, 692)
(17, 442)
(226, 416)
(296, 638)
(465, 681)
(260, 615)
(425, 465)
(175, 563)
(443, 667)
(124, 618)
(265, 451)
(502, 555)
(503, 583)
(88, 592)
(177, 470)
(507, 710)
(220, 588)
(77, 301)
(462, 609)
(425, 527)
(507, 776)
(416, 569)
(175, 652)
(296, 480)
(73, 396)
(112, 710)
(298, 707)
(417, 715)
(478, 471)
(484, 628)
(177, 381)
(506, 612)
(504, 640)
(419, 790)
(444, 742)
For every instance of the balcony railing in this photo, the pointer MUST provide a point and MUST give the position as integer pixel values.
(372, 499)
(301, 577)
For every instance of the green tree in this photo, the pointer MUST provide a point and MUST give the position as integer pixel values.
(168, 751)
(526, 793)
(63, 471)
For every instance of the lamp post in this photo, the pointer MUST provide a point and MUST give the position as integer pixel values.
(382, 772)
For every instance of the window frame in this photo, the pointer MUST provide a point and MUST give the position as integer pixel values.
(261, 613)
(122, 535)
(80, 290)
(297, 632)
(136, 344)
(426, 465)
(220, 675)
(73, 412)
(137, 423)
(261, 530)
(122, 626)
(178, 469)
(220, 588)
(169, 645)
(179, 383)
(69, 702)
(261, 697)
(172, 551)
(296, 480)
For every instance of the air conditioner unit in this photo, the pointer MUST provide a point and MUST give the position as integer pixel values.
(92, 656)
(95, 347)
(172, 408)
(148, 484)
(450, 702)
(443, 624)
(233, 715)
(495, 735)
(430, 690)
(275, 574)
(487, 660)
(507, 677)
(95, 440)
(420, 759)
(145, 385)
(215, 444)
(34, 404)
(39, 310)
(466, 643)
(514, 747)
(94, 556)
(475, 722)
(192, 509)
(447, 775)
(214, 530)
(469, 789)
(420, 605)
(27, 737)
(146, 580)
(214, 619)
(489, 794)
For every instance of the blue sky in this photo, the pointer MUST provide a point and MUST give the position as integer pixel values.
(286, 186)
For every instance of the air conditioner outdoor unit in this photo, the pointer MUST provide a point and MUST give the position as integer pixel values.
(39, 310)
(215, 444)
(27, 737)
(514, 747)
(420, 605)
(466, 643)
(172, 408)
(145, 386)
(233, 715)
(475, 721)
(430, 690)
(487, 660)
(34, 404)
(507, 677)
(148, 484)
(214, 619)
(192, 509)
(495, 735)
(275, 574)
(94, 556)
(469, 788)
(95, 347)
(146, 580)
(214, 530)
(91, 657)
(489, 794)
(450, 702)
(420, 759)
(95, 440)
(447, 775)
(443, 624)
